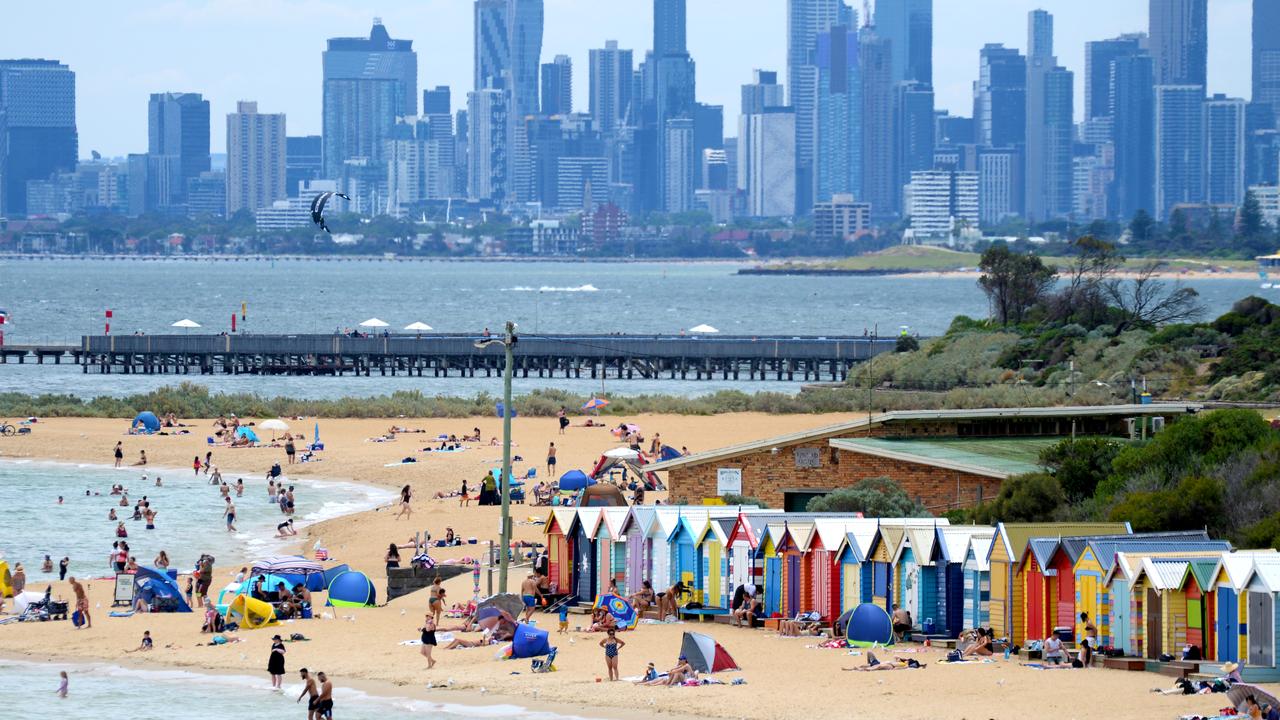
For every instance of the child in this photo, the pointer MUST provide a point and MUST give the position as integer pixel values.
(612, 645)
(564, 619)
(650, 673)
(62, 688)
(146, 643)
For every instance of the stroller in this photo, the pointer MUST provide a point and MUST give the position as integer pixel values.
(44, 609)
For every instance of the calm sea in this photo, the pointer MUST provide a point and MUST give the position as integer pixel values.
(59, 300)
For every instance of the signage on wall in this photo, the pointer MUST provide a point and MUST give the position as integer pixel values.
(729, 481)
(808, 457)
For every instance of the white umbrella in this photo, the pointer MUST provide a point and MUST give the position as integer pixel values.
(703, 329)
(373, 323)
(186, 324)
(418, 326)
(273, 426)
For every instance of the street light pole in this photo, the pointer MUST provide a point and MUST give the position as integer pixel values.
(505, 485)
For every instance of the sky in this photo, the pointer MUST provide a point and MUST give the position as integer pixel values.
(269, 50)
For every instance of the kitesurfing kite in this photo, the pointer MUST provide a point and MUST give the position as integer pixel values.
(317, 208)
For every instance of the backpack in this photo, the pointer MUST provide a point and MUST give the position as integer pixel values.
(954, 656)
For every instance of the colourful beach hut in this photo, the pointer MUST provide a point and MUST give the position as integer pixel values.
(915, 579)
(797, 594)
(822, 567)
(1229, 584)
(559, 549)
(880, 555)
(582, 531)
(977, 582)
(950, 549)
(1153, 588)
(746, 561)
(850, 562)
(639, 547)
(685, 565)
(713, 578)
(611, 559)
(772, 560)
(1261, 591)
(666, 519)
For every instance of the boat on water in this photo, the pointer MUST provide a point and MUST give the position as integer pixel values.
(1267, 266)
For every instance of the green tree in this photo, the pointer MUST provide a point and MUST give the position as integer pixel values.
(1141, 227)
(873, 497)
(1034, 497)
(1189, 445)
(1080, 464)
(906, 343)
(1250, 225)
(1195, 503)
(1013, 283)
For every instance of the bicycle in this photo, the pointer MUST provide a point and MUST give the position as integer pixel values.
(8, 430)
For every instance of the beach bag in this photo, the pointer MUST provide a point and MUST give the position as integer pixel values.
(77, 618)
(954, 656)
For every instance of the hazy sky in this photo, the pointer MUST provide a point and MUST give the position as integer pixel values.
(269, 50)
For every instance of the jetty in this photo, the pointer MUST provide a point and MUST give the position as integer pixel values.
(653, 357)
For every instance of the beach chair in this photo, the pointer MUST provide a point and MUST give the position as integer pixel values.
(542, 665)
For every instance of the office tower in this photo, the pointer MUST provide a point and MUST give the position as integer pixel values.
(908, 26)
(1000, 97)
(178, 125)
(806, 21)
(838, 160)
(942, 204)
(420, 167)
(207, 195)
(256, 158)
(1262, 145)
(582, 183)
(1133, 102)
(557, 86)
(1098, 56)
(1266, 53)
(1091, 178)
(303, 161)
(875, 61)
(1049, 125)
(674, 98)
(708, 134)
(952, 129)
(487, 145)
(492, 44)
(757, 97)
(1179, 146)
(715, 170)
(438, 101)
(1224, 154)
(611, 79)
(155, 182)
(841, 218)
(37, 127)
(771, 161)
(679, 159)
(913, 134)
(368, 83)
(1000, 185)
(1179, 41)
(525, 33)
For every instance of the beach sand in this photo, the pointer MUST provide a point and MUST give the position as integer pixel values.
(784, 677)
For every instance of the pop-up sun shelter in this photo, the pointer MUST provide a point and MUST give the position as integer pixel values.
(251, 614)
(627, 459)
(247, 432)
(529, 642)
(147, 420)
(869, 624)
(705, 654)
(158, 591)
(575, 480)
(352, 589)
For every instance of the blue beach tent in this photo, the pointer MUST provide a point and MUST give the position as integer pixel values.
(147, 420)
(869, 624)
(668, 453)
(247, 432)
(575, 480)
(529, 642)
(158, 591)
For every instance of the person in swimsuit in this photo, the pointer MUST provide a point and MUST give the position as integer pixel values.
(82, 603)
(435, 600)
(230, 514)
(119, 453)
(146, 645)
(551, 459)
(406, 496)
(324, 703)
(393, 556)
(564, 420)
(530, 593)
(289, 448)
(1090, 643)
(150, 517)
(288, 501)
(162, 560)
(309, 691)
(465, 497)
(62, 686)
(429, 639)
(612, 645)
(285, 529)
(195, 465)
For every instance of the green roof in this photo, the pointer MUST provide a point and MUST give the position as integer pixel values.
(1000, 457)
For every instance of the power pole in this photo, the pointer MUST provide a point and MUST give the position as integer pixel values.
(508, 342)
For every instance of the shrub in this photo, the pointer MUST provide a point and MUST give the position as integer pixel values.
(1034, 497)
(732, 499)
(873, 497)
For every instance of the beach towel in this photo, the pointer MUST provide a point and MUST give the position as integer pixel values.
(1045, 666)
(121, 613)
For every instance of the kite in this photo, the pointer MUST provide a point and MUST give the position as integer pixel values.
(317, 208)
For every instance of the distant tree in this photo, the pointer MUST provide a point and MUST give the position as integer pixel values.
(1013, 282)
(1195, 503)
(1082, 298)
(906, 343)
(1080, 464)
(1250, 224)
(732, 499)
(1141, 227)
(873, 497)
(1146, 301)
(1034, 497)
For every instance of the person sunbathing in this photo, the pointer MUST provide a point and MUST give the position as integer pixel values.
(485, 639)
(802, 624)
(980, 648)
(677, 675)
(898, 663)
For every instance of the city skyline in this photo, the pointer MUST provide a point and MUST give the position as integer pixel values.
(280, 43)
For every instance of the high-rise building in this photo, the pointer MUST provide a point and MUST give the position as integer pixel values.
(771, 161)
(840, 218)
(438, 101)
(525, 33)
(1179, 41)
(757, 97)
(1266, 54)
(420, 166)
(1262, 145)
(582, 183)
(487, 145)
(611, 79)
(908, 25)
(679, 159)
(154, 183)
(708, 134)
(1000, 97)
(207, 194)
(178, 125)
(492, 44)
(838, 161)
(303, 161)
(1179, 146)
(942, 203)
(256, 158)
(37, 127)
(806, 20)
(1224, 155)
(913, 134)
(674, 98)
(1049, 125)
(1133, 102)
(368, 83)
(952, 129)
(557, 86)
(1098, 56)
(875, 61)
(715, 170)
(1000, 185)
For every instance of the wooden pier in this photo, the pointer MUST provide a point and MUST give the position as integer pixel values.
(441, 355)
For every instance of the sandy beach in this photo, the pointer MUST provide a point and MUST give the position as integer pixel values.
(784, 677)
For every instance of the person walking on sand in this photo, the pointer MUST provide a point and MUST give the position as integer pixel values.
(119, 452)
(324, 703)
(309, 691)
(435, 601)
(564, 420)
(275, 663)
(82, 603)
(428, 639)
(230, 514)
(612, 644)
(551, 460)
(465, 497)
(406, 497)
(290, 450)
(530, 593)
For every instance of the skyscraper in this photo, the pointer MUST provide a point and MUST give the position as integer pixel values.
(303, 161)
(557, 86)
(913, 129)
(1224, 156)
(806, 20)
(1098, 56)
(256, 158)
(438, 101)
(875, 61)
(178, 125)
(838, 161)
(674, 98)
(492, 44)
(37, 127)
(1179, 146)
(757, 97)
(771, 160)
(1000, 97)
(1049, 124)
(908, 25)
(1266, 53)
(368, 83)
(1179, 41)
(1133, 101)
(487, 144)
(611, 78)
(680, 156)
(525, 18)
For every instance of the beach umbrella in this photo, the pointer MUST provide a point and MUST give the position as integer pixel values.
(621, 610)
(286, 565)
(418, 327)
(186, 324)
(703, 330)
(273, 425)
(509, 603)
(575, 480)
(622, 454)
(595, 404)
(373, 323)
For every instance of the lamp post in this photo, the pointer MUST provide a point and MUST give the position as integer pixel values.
(504, 483)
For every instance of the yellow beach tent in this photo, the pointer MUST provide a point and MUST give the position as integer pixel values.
(6, 580)
(251, 614)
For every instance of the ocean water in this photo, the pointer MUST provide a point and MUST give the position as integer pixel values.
(188, 521)
(60, 300)
(111, 691)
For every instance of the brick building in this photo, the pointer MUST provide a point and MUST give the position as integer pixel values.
(944, 458)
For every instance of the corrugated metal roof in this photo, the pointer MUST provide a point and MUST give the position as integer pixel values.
(1268, 573)
(667, 520)
(980, 548)
(800, 532)
(1015, 536)
(1043, 548)
(922, 540)
(832, 531)
(642, 516)
(991, 458)
(851, 427)
(1106, 551)
(953, 542)
(1165, 574)
(1204, 570)
(615, 518)
(1129, 564)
